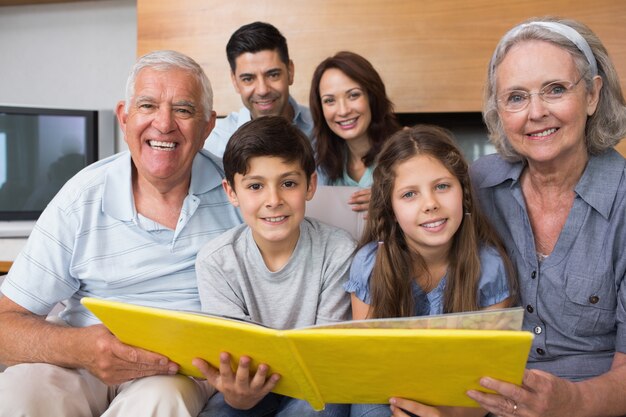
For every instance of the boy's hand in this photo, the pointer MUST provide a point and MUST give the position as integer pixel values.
(239, 389)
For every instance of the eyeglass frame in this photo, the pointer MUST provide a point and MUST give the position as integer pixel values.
(527, 96)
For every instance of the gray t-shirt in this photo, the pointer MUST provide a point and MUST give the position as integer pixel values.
(234, 281)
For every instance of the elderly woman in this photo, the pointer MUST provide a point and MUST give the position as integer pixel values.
(556, 193)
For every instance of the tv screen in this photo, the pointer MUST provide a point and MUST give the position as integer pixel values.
(40, 149)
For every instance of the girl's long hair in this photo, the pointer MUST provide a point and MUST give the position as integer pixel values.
(397, 266)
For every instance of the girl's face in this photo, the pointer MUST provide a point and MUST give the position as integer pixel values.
(545, 132)
(345, 105)
(427, 201)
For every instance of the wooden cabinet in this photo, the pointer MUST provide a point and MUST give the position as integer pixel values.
(432, 55)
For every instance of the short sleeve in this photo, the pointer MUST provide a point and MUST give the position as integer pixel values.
(361, 271)
(494, 284)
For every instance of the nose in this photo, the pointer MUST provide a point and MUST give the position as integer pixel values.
(342, 108)
(262, 87)
(274, 197)
(163, 120)
(537, 107)
(430, 203)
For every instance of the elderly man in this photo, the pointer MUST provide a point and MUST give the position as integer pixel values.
(127, 228)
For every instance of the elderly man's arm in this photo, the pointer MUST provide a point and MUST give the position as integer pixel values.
(27, 338)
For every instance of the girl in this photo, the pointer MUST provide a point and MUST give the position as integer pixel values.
(426, 249)
(352, 118)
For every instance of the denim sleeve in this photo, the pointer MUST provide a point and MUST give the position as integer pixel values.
(493, 285)
(361, 271)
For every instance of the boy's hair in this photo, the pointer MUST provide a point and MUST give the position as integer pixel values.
(396, 264)
(256, 37)
(272, 136)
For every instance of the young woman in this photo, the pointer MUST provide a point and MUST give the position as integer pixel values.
(427, 249)
(352, 118)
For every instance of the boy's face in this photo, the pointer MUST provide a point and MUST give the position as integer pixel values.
(272, 198)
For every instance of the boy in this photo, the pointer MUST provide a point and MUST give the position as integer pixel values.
(279, 269)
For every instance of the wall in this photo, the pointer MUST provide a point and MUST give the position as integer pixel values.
(432, 55)
(67, 55)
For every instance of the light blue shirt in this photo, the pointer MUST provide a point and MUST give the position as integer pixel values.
(365, 181)
(90, 241)
(575, 299)
(225, 127)
(493, 284)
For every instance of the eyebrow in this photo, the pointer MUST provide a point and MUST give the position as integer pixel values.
(261, 177)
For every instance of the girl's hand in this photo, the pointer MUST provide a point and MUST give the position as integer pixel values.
(360, 200)
(240, 390)
(541, 394)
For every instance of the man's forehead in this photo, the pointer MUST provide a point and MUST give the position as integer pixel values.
(259, 62)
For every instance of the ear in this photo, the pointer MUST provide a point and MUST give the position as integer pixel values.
(122, 116)
(291, 72)
(210, 124)
(233, 79)
(310, 192)
(593, 98)
(230, 193)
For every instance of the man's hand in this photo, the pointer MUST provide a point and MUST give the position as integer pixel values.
(114, 362)
(239, 389)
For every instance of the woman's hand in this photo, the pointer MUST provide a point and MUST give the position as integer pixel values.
(240, 390)
(360, 200)
(541, 394)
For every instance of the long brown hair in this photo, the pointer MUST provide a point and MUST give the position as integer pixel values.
(396, 264)
(331, 149)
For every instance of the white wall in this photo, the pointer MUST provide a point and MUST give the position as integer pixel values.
(66, 55)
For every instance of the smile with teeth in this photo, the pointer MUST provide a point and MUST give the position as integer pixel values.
(347, 122)
(274, 219)
(544, 133)
(434, 224)
(164, 146)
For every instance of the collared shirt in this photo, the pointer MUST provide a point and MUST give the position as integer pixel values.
(493, 284)
(574, 298)
(225, 127)
(90, 241)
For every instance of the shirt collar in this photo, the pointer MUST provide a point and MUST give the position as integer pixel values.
(600, 181)
(118, 201)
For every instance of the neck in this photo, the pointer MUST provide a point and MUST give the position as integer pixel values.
(558, 176)
(289, 112)
(276, 254)
(159, 202)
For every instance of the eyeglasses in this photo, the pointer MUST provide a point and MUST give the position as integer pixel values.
(518, 100)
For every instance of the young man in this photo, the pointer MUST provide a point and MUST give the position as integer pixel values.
(126, 228)
(261, 72)
(279, 269)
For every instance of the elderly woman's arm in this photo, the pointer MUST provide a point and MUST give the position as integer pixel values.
(543, 394)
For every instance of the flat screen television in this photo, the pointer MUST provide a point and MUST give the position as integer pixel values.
(40, 149)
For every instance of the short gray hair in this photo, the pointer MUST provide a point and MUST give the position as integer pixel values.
(166, 60)
(605, 128)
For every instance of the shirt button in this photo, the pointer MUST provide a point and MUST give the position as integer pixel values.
(541, 351)
(594, 299)
(533, 275)
(537, 330)
(529, 308)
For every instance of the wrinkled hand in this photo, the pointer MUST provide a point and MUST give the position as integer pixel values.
(113, 362)
(541, 394)
(360, 200)
(240, 390)
(399, 406)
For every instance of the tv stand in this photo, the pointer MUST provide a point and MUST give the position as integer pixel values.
(16, 228)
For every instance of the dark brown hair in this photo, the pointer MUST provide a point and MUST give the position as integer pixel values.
(331, 149)
(396, 264)
(267, 136)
